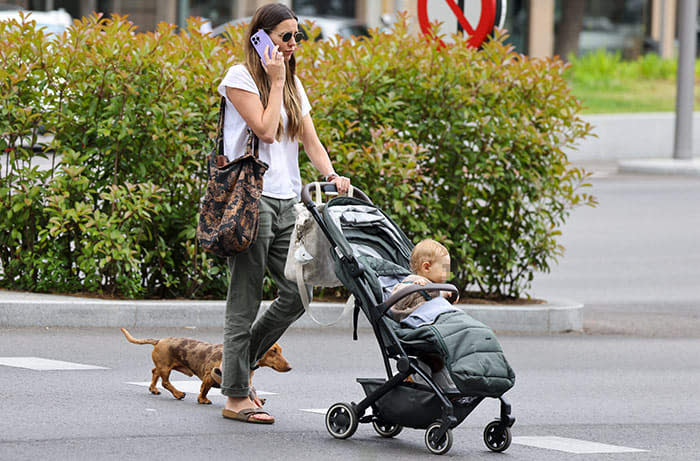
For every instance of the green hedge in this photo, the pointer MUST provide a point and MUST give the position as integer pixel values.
(455, 144)
(132, 115)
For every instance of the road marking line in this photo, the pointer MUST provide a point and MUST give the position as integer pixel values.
(40, 364)
(320, 411)
(193, 387)
(573, 445)
(323, 411)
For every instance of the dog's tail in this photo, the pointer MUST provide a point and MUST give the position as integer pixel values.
(131, 339)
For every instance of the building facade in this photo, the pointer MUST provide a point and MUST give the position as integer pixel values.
(536, 27)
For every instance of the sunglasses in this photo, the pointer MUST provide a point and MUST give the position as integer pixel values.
(287, 36)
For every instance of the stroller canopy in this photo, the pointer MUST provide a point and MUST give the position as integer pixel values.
(363, 230)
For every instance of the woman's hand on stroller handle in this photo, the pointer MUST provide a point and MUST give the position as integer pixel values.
(328, 188)
(342, 183)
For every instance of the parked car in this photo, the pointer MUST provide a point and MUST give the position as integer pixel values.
(53, 22)
(330, 26)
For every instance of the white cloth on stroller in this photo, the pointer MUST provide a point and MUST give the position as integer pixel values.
(359, 216)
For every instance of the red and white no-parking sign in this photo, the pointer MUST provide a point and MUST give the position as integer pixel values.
(475, 17)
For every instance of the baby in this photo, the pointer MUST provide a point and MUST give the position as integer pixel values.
(430, 262)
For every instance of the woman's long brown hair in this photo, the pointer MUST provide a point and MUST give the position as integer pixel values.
(267, 18)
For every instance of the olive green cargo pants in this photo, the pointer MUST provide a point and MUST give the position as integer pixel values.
(246, 342)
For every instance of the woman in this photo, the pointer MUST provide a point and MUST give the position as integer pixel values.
(266, 96)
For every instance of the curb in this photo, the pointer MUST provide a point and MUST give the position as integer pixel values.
(67, 311)
(685, 167)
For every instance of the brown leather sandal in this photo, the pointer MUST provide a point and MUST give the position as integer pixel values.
(247, 415)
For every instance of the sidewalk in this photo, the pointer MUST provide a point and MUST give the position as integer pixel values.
(652, 166)
(637, 143)
(19, 309)
(634, 136)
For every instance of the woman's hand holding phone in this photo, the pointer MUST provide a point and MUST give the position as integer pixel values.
(271, 58)
(273, 63)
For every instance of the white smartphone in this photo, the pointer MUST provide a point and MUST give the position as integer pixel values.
(260, 40)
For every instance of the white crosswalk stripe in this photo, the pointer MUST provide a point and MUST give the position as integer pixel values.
(320, 411)
(323, 411)
(573, 445)
(41, 364)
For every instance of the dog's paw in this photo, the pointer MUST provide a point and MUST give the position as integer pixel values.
(155, 391)
(203, 401)
(181, 396)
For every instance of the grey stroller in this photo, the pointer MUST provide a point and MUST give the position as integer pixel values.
(371, 254)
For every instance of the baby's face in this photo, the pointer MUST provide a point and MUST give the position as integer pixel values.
(439, 270)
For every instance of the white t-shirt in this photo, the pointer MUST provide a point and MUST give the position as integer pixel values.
(282, 180)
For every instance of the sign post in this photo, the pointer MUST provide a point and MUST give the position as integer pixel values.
(683, 141)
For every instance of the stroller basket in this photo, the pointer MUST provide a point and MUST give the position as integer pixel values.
(414, 405)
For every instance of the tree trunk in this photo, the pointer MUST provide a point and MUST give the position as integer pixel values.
(570, 28)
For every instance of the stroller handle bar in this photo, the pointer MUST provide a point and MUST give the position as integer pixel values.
(396, 297)
(328, 188)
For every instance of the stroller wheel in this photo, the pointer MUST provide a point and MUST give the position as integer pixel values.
(341, 420)
(497, 437)
(438, 447)
(386, 430)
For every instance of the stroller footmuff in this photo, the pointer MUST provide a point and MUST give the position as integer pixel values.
(371, 254)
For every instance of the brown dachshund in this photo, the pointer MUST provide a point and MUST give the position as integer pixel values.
(193, 357)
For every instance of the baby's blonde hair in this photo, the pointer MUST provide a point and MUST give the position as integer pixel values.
(427, 250)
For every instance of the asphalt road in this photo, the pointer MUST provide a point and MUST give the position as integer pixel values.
(617, 390)
(630, 381)
(634, 260)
